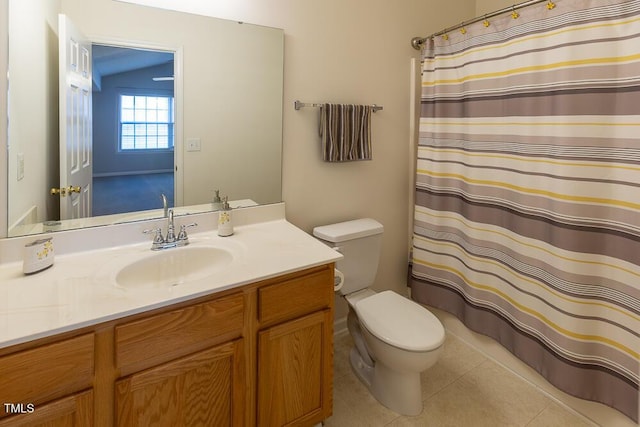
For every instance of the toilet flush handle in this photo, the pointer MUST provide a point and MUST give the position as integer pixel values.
(338, 280)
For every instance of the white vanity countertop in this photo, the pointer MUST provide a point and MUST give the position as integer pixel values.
(78, 290)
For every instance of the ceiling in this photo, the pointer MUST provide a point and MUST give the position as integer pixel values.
(109, 60)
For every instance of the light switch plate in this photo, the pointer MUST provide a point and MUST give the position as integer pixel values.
(193, 144)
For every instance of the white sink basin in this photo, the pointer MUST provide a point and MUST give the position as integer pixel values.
(173, 267)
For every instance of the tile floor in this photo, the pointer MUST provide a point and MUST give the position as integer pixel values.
(463, 389)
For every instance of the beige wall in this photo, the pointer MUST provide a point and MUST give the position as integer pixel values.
(357, 52)
(34, 116)
(488, 6)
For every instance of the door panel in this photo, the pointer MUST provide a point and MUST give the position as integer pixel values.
(76, 141)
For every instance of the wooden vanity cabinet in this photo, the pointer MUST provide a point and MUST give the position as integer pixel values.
(49, 385)
(257, 355)
(295, 350)
(183, 367)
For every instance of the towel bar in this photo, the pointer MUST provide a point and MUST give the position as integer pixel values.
(298, 105)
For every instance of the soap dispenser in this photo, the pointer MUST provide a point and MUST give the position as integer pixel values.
(217, 203)
(225, 223)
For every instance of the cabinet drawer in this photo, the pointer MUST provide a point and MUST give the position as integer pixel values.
(163, 337)
(295, 297)
(47, 372)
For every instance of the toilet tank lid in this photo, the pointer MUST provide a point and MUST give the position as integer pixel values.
(348, 230)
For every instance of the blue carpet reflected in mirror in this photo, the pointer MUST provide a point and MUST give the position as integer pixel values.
(128, 193)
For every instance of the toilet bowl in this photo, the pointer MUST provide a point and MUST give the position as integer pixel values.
(401, 340)
(395, 339)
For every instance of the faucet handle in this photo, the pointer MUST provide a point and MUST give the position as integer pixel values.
(182, 235)
(158, 236)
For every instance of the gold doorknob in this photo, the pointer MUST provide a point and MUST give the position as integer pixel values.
(64, 190)
(61, 191)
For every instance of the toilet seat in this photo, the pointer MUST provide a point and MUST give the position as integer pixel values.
(400, 322)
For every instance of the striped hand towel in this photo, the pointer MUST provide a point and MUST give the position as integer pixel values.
(345, 130)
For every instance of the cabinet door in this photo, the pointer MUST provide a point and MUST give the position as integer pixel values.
(295, 372)
(203, 389)
(48, 372)
(75, 410)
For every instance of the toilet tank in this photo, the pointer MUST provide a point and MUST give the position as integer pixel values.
(360, 242)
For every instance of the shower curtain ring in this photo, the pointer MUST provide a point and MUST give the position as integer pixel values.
(514, 14)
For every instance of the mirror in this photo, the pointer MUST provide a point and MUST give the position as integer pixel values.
(228, 79)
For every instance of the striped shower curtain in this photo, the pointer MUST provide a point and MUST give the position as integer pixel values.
(527, 216)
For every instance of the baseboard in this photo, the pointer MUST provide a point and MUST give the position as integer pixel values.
(127, 173)
(340, 327)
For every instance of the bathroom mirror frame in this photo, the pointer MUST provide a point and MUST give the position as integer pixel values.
(102, 36)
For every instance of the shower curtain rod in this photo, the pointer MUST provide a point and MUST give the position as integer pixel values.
(417, 42)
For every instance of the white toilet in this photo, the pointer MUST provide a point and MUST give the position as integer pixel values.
(395, 338)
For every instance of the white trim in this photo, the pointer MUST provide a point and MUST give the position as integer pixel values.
(4, 118)
(178, 126)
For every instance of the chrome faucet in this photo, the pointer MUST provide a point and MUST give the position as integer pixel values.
(165, 206)
(171, 240)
